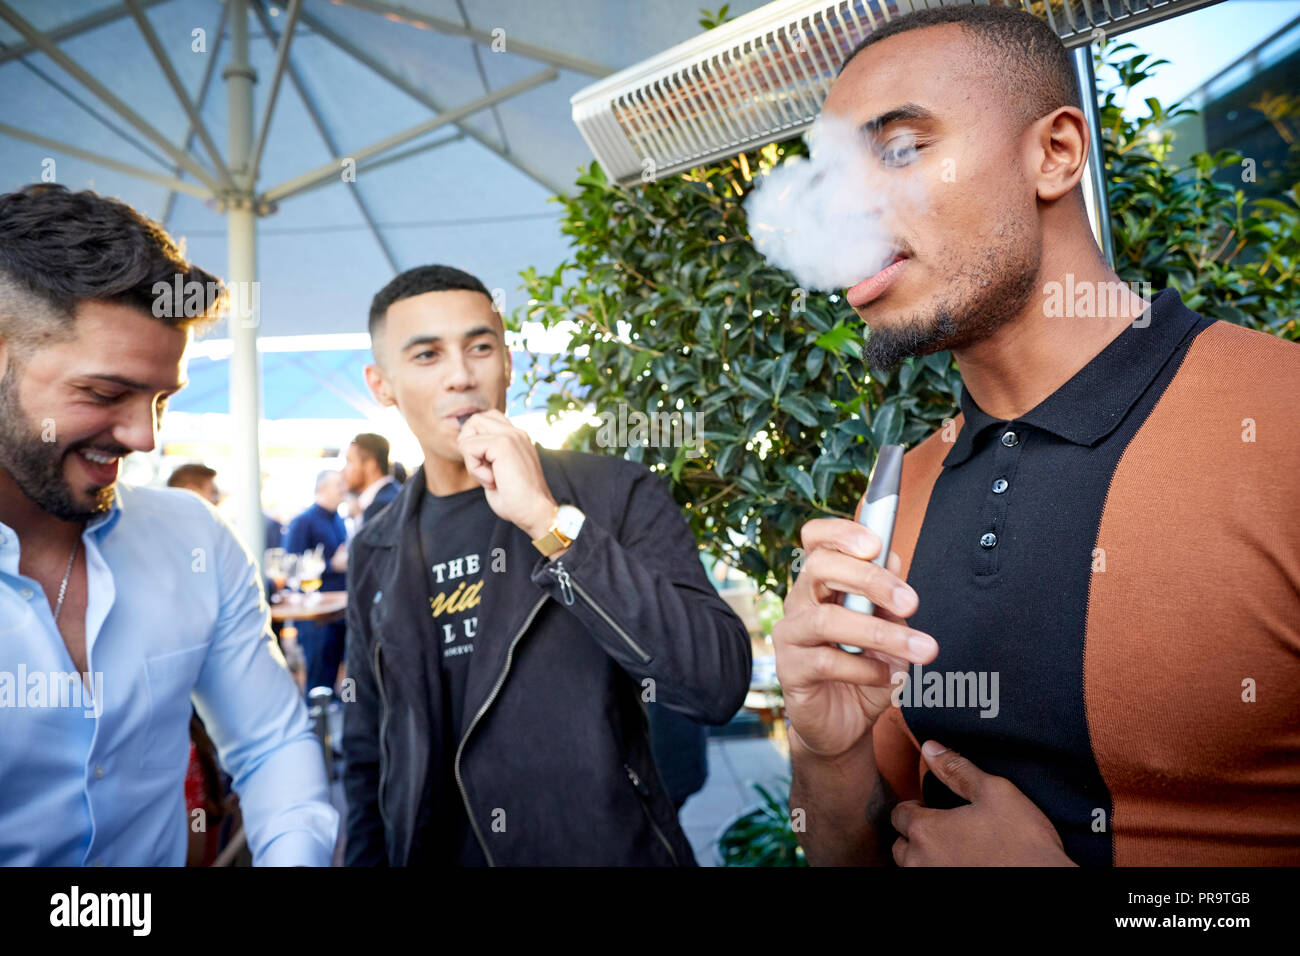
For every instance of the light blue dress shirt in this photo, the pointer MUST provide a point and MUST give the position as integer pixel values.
(175, 612)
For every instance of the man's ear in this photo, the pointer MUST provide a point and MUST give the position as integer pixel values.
(377, 382)
(1060, 154)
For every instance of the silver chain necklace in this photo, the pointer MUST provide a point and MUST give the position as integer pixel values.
(63, 588)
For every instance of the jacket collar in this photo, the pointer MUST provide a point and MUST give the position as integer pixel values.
(1091, 405)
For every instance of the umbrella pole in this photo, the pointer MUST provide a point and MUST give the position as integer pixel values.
(241, 237)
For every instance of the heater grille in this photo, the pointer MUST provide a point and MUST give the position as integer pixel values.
(763, 77)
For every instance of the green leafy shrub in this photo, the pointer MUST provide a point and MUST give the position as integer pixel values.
(763, 836)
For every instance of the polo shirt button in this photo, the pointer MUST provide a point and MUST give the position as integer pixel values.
(999, 486)
(1009, 438)
(26, 594)
(99, 863)
(988, 539)
(99, 773)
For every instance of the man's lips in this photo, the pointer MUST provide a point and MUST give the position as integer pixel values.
(870, 289)
(102, 472)
(462, 415)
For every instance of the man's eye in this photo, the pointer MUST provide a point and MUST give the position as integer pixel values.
(421, 356)
(100, 398)
(899, 151)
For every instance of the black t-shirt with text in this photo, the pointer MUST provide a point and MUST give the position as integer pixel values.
(455, 531)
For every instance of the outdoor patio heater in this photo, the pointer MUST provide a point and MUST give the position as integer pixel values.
(762, 77)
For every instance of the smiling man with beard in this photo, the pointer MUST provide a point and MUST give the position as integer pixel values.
(147, 590)
(1109, 526)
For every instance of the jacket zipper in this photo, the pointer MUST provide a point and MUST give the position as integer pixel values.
(643, 795)
(383, 723)
(568, 586)
(496, 689)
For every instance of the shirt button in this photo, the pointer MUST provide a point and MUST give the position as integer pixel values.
(988, 539)
(999, 486)
(99, 773)
(26, 594)
(99, 863)
(1009, 438)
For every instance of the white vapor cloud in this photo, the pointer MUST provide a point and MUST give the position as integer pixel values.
(827, 219)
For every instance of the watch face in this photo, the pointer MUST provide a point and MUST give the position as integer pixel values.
(568, 521)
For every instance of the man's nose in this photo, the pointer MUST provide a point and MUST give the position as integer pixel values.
(459, 374)
(137, 429)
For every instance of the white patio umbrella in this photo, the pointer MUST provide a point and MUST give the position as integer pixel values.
(361, 138)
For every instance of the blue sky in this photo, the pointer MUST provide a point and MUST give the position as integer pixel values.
(1201, 43)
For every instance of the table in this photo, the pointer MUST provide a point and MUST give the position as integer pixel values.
(330, 606)
(770, 708)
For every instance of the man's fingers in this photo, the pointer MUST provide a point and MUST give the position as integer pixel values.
(831, 570)
(960, 775)
(488, 421)
(899, 851)
(814, 665)
(832, 624)
(903, 815)
(841, 534)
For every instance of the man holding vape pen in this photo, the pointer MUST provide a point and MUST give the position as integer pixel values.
(1109, 526)
(510, 615)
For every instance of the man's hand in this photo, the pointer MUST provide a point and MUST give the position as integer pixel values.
(832, 697)
(503, 459)
(1000, 827)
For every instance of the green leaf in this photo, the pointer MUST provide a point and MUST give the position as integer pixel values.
(800, 408)
(837, 339)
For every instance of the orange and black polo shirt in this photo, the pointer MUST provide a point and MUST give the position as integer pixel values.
(1125, 558)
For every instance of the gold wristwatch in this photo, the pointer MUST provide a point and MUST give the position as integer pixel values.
(565, 526)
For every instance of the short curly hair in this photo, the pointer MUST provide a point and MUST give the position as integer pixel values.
(418, 281)
(59, 248)
(1036, 71)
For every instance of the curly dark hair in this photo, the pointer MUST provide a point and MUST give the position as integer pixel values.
(1037, 74)
(59, 248)
(418, 281)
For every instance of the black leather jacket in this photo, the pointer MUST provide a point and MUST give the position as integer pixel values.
(555, 767)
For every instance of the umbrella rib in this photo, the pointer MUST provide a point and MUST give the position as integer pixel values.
(281, 61)
(170, 182)
(325, 136)
(482, 75)
(203, 98)
(355, 399)
(74, 28)
(533, 51)
(291, 187)
(43, 43)
(417, 94)
(94, 114)
(165, 64)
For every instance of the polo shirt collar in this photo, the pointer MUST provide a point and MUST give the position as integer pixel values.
(1091, 405)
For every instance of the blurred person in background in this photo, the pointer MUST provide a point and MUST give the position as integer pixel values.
(366, 476)
(197, 478)
(145, 593)
(322, 526)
